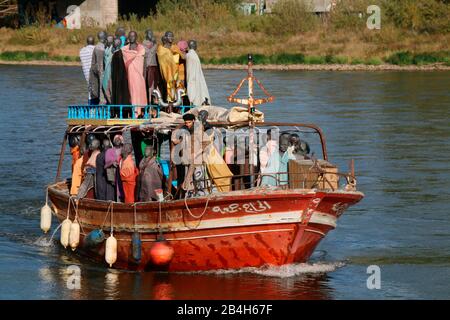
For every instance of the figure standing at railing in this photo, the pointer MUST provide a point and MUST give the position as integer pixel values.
(86, 62)
(197, 89)
(120, 95)
(150, 176)
(168, 69)
(77, 173)
(133, 55)
(97, 67)
(112, 161)
(300, 148)
(111, 46)
(103, 189)
(275, 172)
(128, 173)
(89, 170)
(151, 69)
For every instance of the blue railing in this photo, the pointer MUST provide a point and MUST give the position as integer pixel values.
(121, 112)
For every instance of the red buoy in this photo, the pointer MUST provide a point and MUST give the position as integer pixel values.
(161, 253)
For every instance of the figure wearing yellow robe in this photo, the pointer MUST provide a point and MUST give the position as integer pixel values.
(169, 70)
(179, 58)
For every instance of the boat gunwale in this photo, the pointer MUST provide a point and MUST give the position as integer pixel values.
(253, 194)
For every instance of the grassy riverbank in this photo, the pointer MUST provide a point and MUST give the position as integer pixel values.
(412, 33)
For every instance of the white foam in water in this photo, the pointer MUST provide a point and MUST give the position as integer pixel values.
(284, 271)
(43, 241)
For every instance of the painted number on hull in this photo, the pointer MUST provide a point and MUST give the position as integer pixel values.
(249, 207)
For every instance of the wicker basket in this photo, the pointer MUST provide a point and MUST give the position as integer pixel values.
(303, 174)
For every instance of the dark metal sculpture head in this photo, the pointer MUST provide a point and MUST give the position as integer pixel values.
(192, 44)
(102, 36)
(109, 40)
(94, 145)
(90, 40)
(132, 37)
(149, 34)
(120, 31)
(203, 116)
(127, 149)
(117, 43)
(170, 37)
(284, 142)
(106, 144)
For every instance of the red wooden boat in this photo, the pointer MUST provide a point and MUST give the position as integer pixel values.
(249, 227)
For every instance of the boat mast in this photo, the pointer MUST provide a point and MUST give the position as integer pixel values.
(250, 102)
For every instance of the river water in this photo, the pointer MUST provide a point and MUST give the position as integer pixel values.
(394, 124)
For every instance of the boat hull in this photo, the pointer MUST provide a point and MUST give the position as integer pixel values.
(227, 231)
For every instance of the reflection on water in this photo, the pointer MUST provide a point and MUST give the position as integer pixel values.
(394, 124)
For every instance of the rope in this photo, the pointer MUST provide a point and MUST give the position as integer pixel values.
(159, 219)
(68, 207)
(77, 217)
(189, 211)
(54, 232)
(112, 214)
(106, 216)
(134, 213)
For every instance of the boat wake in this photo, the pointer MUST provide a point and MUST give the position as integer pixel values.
(44, 241)
(284, 271)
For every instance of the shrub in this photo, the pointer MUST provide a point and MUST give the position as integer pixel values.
(357, 61)
(315, 60)
(23, 55)
(290, 16)
(373, 62)
(407, 57)
(419, 15)
(351, 14)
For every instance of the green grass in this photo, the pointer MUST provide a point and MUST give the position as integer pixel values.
(260, 59)
(409, 58)
(373, 62)
(398, 58)
(34, 56)
(23, 55)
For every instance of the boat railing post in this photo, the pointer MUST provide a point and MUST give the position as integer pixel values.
(61, 157)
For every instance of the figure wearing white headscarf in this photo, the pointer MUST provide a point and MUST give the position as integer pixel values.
(197, 89)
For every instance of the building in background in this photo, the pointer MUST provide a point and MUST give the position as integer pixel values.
(265, 6)
(91, 12)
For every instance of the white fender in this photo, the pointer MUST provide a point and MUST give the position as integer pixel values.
(74, 236)
(111, 250)
(65, 231)
(46, 218)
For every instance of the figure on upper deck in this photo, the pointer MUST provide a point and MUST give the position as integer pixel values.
(106, 83)
(121, 34)
(197, 89)
(151, 69)
(97, 67)
(133, 56)
(168, 68)
(120, 94)
(86, 61)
